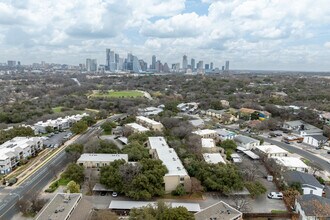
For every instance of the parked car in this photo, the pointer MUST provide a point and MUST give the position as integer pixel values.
(275, 195)
(114, 194)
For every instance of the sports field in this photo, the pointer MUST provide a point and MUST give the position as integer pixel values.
(119, 94)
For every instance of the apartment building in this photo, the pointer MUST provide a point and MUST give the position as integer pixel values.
(177, 174)
(99, 160)
(149, 123)
(16, 149)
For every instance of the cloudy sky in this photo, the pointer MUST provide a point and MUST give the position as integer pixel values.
(252, 34)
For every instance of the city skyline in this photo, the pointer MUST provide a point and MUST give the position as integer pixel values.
(260, 35)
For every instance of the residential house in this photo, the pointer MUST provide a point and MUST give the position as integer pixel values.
(271, 151)
(246, 142)
(312, 207)
(317, 140)
(99, 160)
(224, 115)
(217, 211)
(150, 111)
(224, 103)
(236, 158)
(215, 113)
(247, 112)
(325, 117)
(16, 149)
(302, 128)
(197, 123)
(190, 107)
(177, 174)
(136, 128)
(279, 95)
(213, 158)
(225, 134)
(291, 163)
(149, 123)
(309, 184)
(208, 145)
(206, 133)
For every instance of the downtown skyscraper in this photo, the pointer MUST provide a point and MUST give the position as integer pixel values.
(184, 62)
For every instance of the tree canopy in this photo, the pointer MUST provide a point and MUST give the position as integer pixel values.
(136, 151)
(79, 127)
(217, 177)
(74, 172)
(161, 212)
(140, 181)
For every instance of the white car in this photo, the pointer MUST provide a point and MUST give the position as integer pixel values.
(275, 195)
(114, 194)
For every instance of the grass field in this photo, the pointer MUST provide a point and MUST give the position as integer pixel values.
(119, 94)
(57, 109)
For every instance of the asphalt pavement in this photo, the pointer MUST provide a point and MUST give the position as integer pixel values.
(37, 181)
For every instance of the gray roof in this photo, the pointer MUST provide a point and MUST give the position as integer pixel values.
(292, 176)
(315, 205)
(220, 210)
(319, 137)
(245, 139)
(60, 206)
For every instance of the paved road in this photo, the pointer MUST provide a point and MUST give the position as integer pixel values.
(313, 158)
(37, 181)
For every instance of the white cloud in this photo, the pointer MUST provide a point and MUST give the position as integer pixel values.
(259, 31)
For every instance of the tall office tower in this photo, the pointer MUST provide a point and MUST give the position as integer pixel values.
(120, 64)
(211, 65)
(207, 66)
(192, 64)
(11, 63)
(88, 64)
(158, 66)
(227, 65)
(166, 69)
(223, 68)
(153, 62)
(144, 65)
(184, 62)
(200, 65)
(136, 65)
(107, 59)
(91, 65)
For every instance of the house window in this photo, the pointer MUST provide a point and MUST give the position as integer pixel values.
(311, 192)
(181, 178)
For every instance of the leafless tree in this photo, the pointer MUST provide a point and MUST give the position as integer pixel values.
(129, 171)
(241, 204)
(196, 186)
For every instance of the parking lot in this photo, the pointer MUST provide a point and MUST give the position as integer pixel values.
(56, 140)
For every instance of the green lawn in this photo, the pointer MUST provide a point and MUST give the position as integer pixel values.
(57, 109)
(119, 94)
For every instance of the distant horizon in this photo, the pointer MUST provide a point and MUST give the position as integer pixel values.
(251, 34)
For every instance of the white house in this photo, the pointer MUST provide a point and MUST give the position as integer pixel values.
(272, 151)
(309, 183)
(213, 158)
(292, 163)
(137, 128)
(206, 133)
(246, 142)
(236, 158)
(315, 140)
(302, 128)
(225, 134)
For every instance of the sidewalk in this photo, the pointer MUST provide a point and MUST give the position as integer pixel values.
(42, 160)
